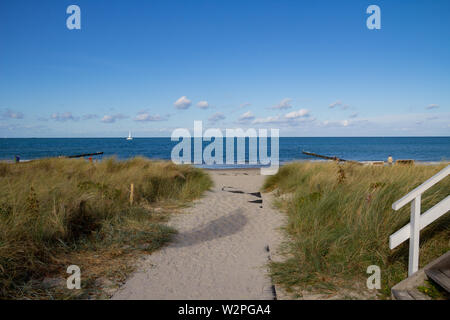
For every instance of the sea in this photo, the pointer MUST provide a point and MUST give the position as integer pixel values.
(425, 149)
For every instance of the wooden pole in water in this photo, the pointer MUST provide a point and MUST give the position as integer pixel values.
(84, 155)
(329, 158)
(131, 193)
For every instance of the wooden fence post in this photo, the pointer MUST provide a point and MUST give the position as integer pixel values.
(131, 193)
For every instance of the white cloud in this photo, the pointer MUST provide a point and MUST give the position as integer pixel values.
(432, 106)
(182, 103)
(63, 116)
(283, 104)
(297, 114)
(247, 116)
(335, 104)
(293, 118)
(216, 117)
(354, 115)
(203, 104)
(341, 105)
(145, 116)
(112, 118)
(10, 114)
(108, 119)
(266, 120)
(342, 123)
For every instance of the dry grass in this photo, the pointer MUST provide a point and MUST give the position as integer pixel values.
(58, 212)
(340, 219)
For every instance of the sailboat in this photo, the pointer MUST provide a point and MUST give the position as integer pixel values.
(129, 136)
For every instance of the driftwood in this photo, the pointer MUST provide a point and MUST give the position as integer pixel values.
(329, 158)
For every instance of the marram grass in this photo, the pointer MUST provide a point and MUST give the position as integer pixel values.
(57, 212)
(340, 219)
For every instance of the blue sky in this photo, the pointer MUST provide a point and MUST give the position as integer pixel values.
(309, 68)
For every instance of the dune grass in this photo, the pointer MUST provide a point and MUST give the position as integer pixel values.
(340, 220)
(58, 212)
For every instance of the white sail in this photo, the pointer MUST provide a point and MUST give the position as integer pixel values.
(129, 136)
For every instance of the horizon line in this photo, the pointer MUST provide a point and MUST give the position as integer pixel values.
(168, 137)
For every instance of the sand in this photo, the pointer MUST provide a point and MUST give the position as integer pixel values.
(220, 251)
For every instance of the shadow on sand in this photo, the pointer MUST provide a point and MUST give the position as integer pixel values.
(219, 228)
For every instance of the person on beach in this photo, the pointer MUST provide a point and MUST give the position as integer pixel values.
(390, 160)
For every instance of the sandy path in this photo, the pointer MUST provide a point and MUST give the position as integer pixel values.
(220, 250)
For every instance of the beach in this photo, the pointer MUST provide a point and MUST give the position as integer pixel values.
(222, 248)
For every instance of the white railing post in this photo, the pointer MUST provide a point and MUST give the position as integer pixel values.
(414, 239)
(417, 222)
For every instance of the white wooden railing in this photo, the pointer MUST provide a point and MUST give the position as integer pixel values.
(412, 230)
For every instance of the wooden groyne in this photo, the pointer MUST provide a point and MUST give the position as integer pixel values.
(330, 158)
(83, 155)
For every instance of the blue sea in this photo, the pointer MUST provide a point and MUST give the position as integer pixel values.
(290, 149)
